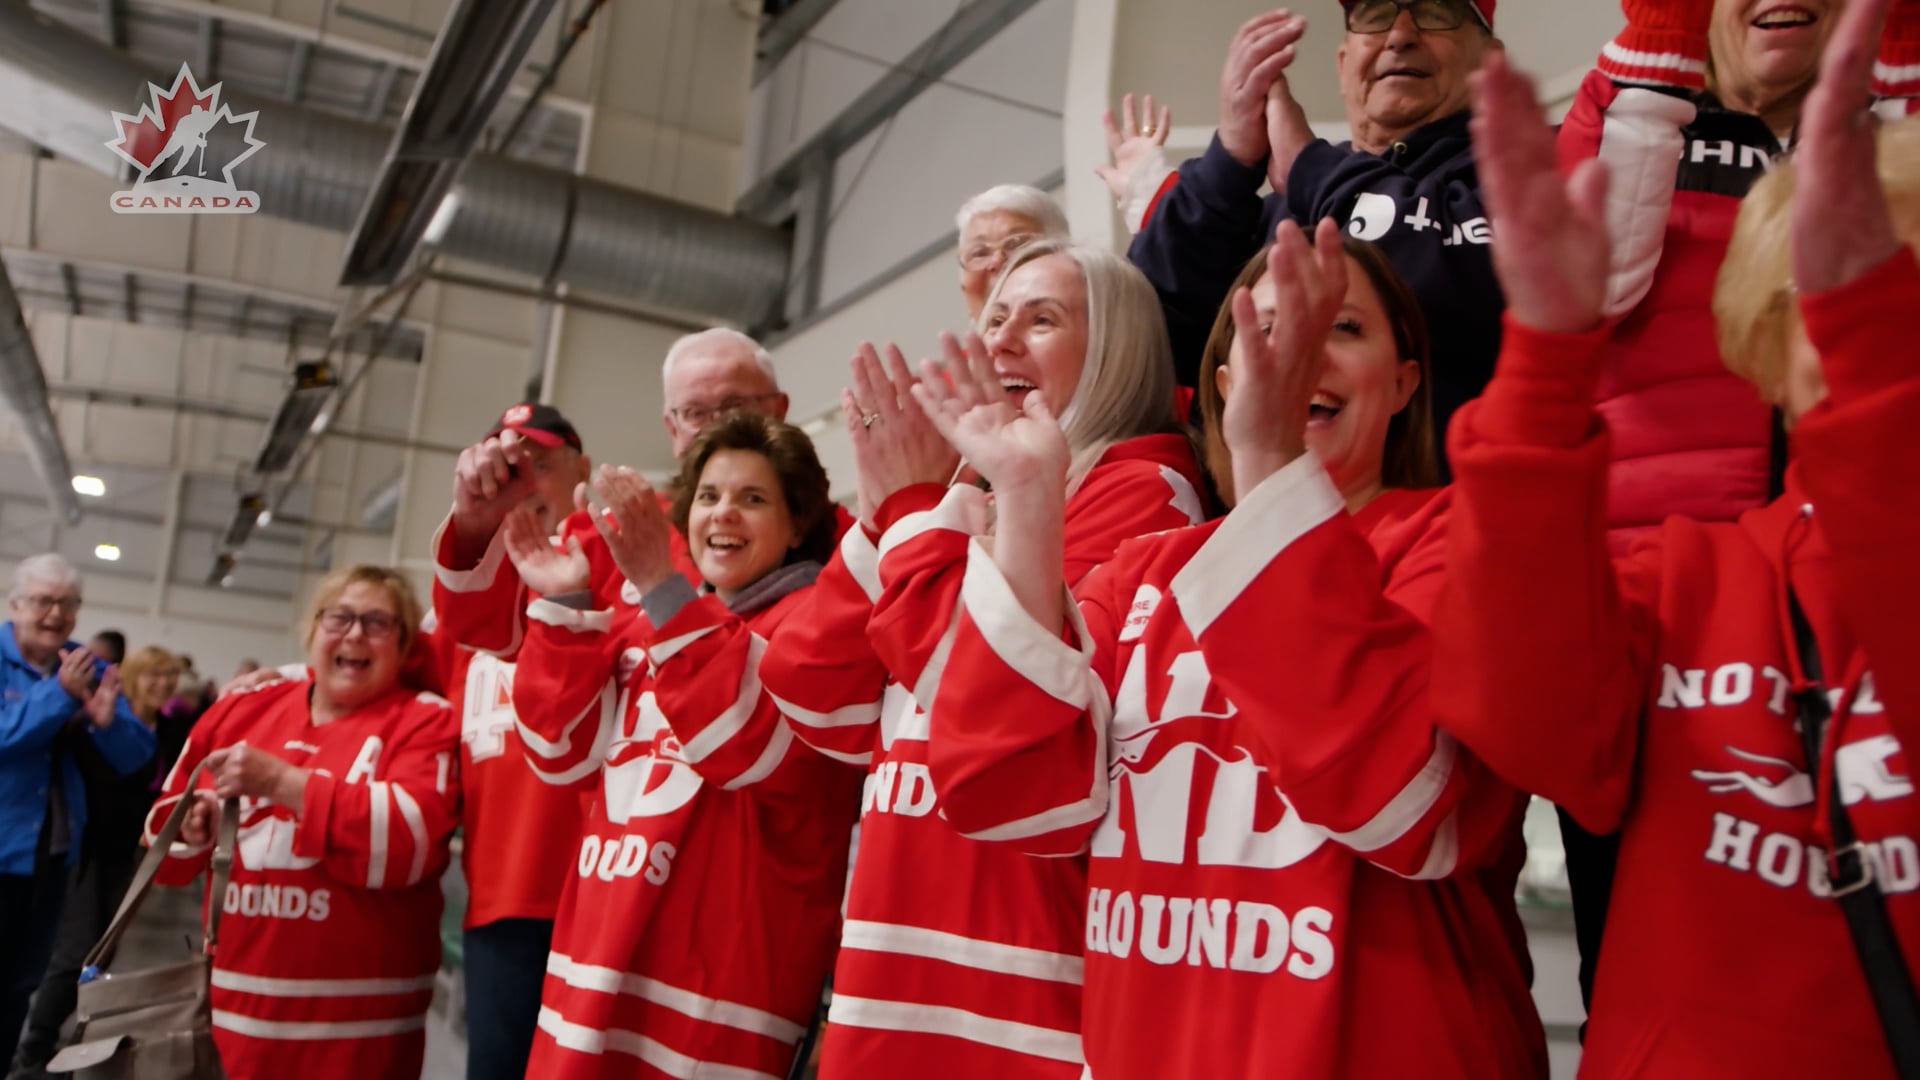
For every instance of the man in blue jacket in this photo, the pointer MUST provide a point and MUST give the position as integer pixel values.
(1406, 182)
(52, 690)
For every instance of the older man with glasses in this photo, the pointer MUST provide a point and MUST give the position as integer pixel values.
(52, 691)
(1405, 182)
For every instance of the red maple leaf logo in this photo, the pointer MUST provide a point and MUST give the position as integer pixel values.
(144, 136)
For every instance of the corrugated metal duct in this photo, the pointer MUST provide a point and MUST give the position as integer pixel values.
(317, 169)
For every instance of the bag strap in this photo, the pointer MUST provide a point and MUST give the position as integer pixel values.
(227, 832)
(1851, 874)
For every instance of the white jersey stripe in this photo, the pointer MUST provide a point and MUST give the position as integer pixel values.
(416, 828)
(968, 952)
(316, 988)
(854, 715)
(377, 847)
(770, 757)
(1406, 809)
(1278, 511)
(729, 723)
(586, 1040)
(959, 1023)
(316, 1029)
(607, 980)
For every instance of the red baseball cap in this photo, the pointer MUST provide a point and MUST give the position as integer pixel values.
(1481, 8)
(539, 423)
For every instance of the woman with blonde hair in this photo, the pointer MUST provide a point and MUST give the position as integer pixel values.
(958, 958)
(1737, 699)
(348, 798)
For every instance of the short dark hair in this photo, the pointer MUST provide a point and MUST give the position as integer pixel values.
(803, 482)
(1411, 459)
(116, 646)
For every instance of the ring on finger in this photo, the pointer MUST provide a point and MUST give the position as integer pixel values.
(867, 419)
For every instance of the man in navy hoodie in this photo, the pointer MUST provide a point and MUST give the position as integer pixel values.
(1406, 182)
(52, 690)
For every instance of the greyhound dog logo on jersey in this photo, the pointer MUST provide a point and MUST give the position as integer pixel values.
(1860, 767)
(646, 774)
(1158, 755)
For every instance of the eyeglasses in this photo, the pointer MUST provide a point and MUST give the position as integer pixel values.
(979, 255)
(378, 625)
(1378, 16)
(41, 603)
(699, 416)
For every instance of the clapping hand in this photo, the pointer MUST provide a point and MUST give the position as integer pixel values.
(637, 532)
(1258, 57)
(100, 706)
(1012, 448)
(1277, 372)
(1841, 224)
(1550, 243)
(546, 569)
(895, 445)
(76, 673)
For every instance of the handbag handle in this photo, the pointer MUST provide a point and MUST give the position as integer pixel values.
(227, 834)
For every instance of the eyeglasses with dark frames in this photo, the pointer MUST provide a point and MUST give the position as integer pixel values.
(1378, 16)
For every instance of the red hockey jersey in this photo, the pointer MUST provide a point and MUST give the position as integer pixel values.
(698, 920)
(1291, 871)
(330, 935)
(518, 831)
(958, 959)
(1653, 695)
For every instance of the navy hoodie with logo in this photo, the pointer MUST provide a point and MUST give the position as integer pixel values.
(1419, 201)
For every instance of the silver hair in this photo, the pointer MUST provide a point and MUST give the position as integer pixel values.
(46, 569)
(1126, 384)
(712, 336)
(1029, 202)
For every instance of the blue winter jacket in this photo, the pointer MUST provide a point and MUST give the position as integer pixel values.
(33, 709)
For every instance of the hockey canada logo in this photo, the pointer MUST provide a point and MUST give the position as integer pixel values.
(183, 145)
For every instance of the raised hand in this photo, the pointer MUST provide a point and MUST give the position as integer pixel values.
(546, 569)
(488, 481)
(1550, 243)
(105, 697)
(76, 672)
(1841, 225)
(895, 445)
(1277, 372)
(1261, 50)
(636, 530)
(1133, 143)
(1012, 448)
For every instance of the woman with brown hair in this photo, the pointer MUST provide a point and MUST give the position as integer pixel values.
(698, 927)
(348, 799)
(1379, 342)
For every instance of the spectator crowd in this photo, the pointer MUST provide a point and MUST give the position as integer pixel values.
(1168, 701)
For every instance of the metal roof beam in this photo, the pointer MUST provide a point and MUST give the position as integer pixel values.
(780, 34)
(958, 38)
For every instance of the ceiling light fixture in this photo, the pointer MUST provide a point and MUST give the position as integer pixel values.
(106, 552)
(90, 485)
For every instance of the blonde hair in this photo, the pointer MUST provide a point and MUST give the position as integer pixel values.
(406, 605)
(1126, 383)
(143, 660)
(1753, 298)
